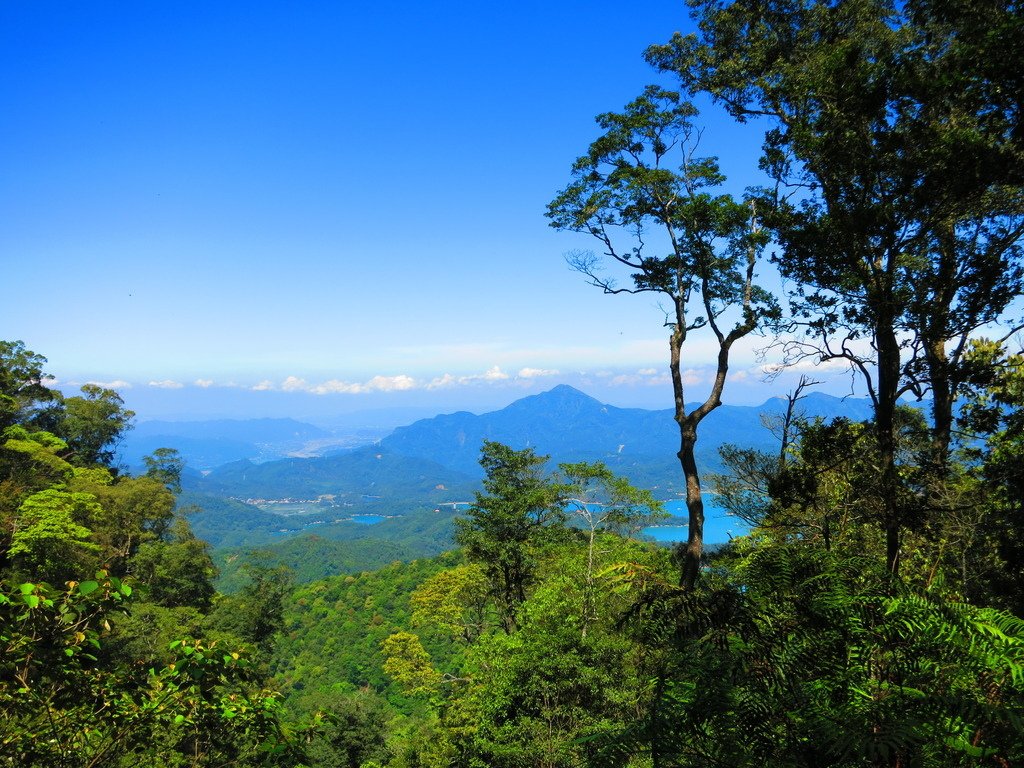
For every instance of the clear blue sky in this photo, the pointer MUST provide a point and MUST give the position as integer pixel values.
(323, 199)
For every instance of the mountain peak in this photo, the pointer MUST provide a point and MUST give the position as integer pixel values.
(561, 397)
(565, 390)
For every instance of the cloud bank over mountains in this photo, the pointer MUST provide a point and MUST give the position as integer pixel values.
(488, 388)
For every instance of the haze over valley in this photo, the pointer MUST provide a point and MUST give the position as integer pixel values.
(257, 482)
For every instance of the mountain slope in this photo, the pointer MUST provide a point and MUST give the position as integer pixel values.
(569, 425)
(562, 422)
(436, 460)
(208, 444)
(347, 477)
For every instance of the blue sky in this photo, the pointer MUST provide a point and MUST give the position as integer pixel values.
(324, 201)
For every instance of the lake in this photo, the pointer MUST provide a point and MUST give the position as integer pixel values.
(367, 519)
(719, 526)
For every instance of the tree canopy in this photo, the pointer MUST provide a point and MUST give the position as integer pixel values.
(642, 192)
(894, 146)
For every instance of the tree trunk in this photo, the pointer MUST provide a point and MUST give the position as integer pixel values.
(885, 428)
(942, 404)
(694, 505)
(588, 595)
(936, 327)
(687, 441)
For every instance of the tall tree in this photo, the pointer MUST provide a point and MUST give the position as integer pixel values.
(600, 500)
(504, 525)
(895, 145)
(993, 416)
(165, 465)
(93, 423)
(23, 390)
(650, 202)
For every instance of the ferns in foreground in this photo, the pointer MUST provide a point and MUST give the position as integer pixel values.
(802, 657)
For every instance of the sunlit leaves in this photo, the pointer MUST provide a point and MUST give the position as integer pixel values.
(408, 663)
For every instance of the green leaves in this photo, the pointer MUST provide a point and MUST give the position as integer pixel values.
(23, 391)
(64, 707)
(51, 539)
(818, 638)
(408, 664)
(644, 195)
(29, 595)
(501, 531)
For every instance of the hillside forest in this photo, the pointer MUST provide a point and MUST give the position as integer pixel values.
(872, 616)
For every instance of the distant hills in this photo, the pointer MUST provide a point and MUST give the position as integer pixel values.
(410, 478)
(356, 476)
(569, 425)
(209, 444)
(436, 459)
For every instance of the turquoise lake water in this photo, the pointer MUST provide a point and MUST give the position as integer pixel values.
(367, 519)
(719, 527)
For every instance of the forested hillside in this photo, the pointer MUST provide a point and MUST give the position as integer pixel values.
(551, 637)
(444, 450)
(116, 648)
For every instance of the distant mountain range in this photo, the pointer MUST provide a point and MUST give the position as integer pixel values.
(209, 444)
(355, 477)
(409, 479)
(436, 460)
(569, 425)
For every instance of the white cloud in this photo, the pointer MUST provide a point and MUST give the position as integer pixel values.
(116, 384)
(391, 383)
(693, 376)
(166, 384)
(398, 383)
(635, 380)
(336, 386)
(376, 384)
(491, 374)
(204, 383)
(807, 365)
(532, 373)
(442, 382)
(293, 384)
(652, 377)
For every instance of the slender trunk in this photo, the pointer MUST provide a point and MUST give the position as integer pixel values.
(936, 325)
(513, 594)
(885, 427)
(942, 404)
(694, 505)
(786, 425)
(687, 441)
(792, 399)
(588, 594)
